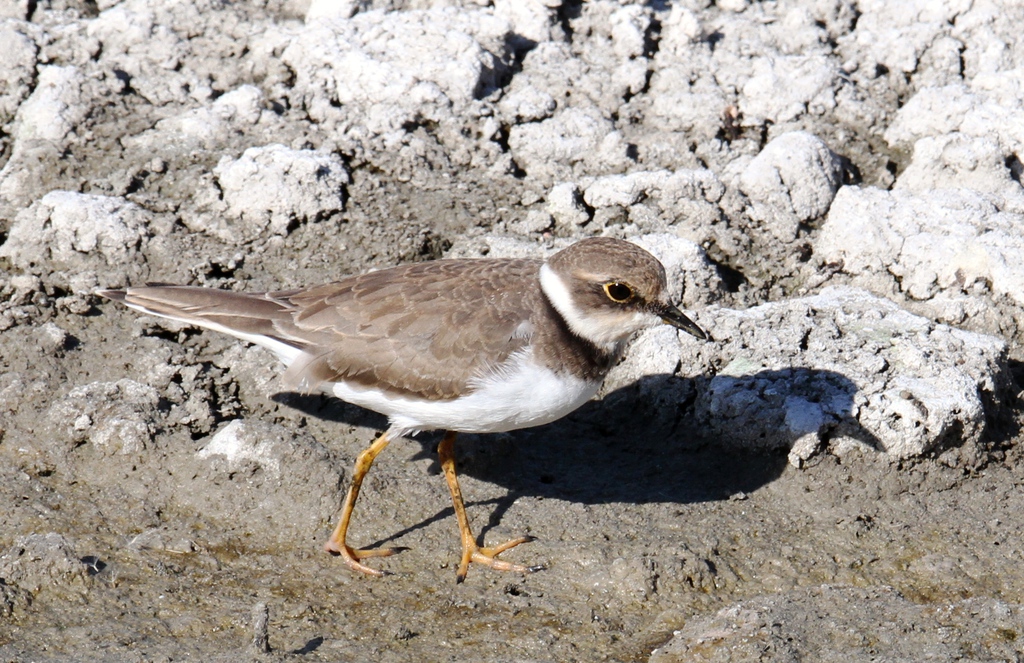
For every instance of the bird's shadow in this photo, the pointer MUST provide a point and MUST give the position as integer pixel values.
(646, 442)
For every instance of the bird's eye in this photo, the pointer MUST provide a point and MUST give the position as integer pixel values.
(618, 292)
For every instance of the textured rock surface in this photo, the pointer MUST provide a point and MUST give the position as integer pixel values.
(270, 189)
(848, 369)
(783, 624)
(953, 251)
(38, 560)
(792, 181)
(78, 235)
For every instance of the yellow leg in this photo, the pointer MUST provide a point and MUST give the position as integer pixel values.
(337, 545)
(471, 552)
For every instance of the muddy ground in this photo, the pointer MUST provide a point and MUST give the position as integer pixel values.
(162, 499)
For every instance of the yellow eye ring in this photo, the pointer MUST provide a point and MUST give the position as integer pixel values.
(620, 293)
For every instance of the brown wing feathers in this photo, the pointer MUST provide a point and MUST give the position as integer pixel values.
(377, 329)
(391, 334)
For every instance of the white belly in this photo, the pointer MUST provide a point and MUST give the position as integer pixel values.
(523, 396)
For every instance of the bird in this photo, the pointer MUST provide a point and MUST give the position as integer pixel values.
(478, 345)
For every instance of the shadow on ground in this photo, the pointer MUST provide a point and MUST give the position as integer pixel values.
(632, 446)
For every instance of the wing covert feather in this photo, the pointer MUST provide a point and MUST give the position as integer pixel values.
(381, 327)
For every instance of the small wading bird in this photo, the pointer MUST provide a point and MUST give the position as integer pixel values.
(475, 346)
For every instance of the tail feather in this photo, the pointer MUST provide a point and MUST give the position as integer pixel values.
(250, 316)
(113, 295)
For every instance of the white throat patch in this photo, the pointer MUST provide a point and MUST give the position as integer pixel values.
(589, 327)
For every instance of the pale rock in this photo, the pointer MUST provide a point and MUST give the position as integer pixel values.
(54, 108)
(554, 148)
(526, 103)
(784, 88)
(845, 364)
(565, 204)
(18, 54)
(330, 9)
(268, 189)
(382, 70)
(203, 128)
(116, 417)
(79, 233)
(956, 160)
(536, 20)
(792, 181)
(949, 240)
(238, 446)
(990, 107)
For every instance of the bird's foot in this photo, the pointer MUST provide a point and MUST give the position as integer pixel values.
(351, 556)
(471, 552)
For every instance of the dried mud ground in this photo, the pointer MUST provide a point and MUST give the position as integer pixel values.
(126, 536)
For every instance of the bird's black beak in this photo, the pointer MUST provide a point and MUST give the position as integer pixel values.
(673, 316)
